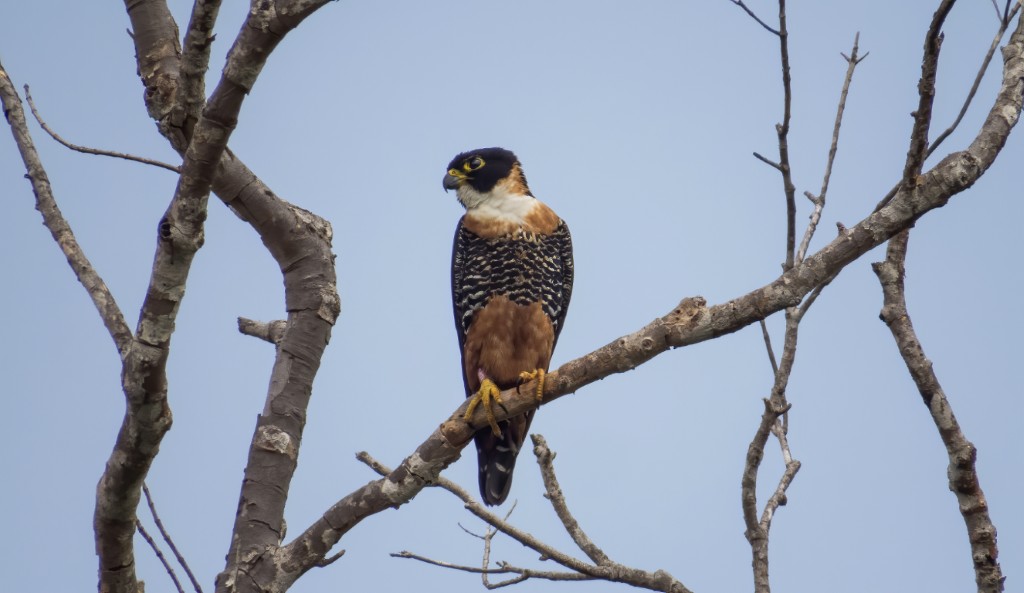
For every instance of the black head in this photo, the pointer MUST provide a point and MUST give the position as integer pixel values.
(482, 169)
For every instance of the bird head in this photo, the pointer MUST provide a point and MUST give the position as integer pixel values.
(482, 174)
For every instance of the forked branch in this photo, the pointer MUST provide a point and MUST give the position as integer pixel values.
(602, 568)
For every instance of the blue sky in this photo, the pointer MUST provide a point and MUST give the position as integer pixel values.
(636, 123)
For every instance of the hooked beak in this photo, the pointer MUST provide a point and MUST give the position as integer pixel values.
(451, 181)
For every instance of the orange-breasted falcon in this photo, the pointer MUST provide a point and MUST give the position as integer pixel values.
(512, 274)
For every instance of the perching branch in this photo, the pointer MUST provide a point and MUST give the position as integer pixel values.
(691, 322)
(963, 476)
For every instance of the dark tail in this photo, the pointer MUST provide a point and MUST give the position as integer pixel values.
(497, 457)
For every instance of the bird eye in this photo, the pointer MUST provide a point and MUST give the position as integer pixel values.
(473, 164)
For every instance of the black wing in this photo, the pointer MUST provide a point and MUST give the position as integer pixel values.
(526, 268)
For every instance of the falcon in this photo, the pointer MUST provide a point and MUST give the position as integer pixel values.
(512, 274)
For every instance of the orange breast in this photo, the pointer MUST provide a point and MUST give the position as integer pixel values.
(506, 339)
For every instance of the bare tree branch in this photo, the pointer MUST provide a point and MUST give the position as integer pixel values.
(609, 570)
(160, 556)
(755, 17)
(54, 220)
(819, 200)
(768, 161)
(691, 322)
(782, 130)
(167, 538)
(963, 477)
(553, 492)
(757, 531)
(86, 149)
(505, 568)
(269, 331)
(180, 236)
(778, 498)
(768, 346)
(1004, 23)
(195, 61)
(926, 91)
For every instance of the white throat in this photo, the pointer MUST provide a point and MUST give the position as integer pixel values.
(498, 204)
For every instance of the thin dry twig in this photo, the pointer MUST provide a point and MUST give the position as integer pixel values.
(819, 200)
(55, 222)
(962, 472)
(768, 346)
(919, 150)
(167, 538)
(768, 161)
(553, 492)
(782, 131)
(610, 571)
(86, 149)
(778, 498)
(160, 556)
(755, 17)
(505, 568)
(1004, 23)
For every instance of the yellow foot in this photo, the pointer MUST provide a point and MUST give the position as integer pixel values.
(488, 392)
(537, 374)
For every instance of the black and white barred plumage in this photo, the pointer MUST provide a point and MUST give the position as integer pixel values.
(525, 267)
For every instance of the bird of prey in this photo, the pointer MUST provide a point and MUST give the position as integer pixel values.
(512, 274)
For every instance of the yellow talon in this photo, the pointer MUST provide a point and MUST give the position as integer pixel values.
(537, 374)
(488, 390)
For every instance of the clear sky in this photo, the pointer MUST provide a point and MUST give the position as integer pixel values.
(636, 123)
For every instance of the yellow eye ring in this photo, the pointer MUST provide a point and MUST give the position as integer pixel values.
(473, 164)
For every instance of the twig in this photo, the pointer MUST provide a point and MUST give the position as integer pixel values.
(160, 556)
(783, 134)
(55, 222)
(756, 530)
(656, 581)
(768, 162)
(167, 538)
(490, 518)
(553, 492)
(1003, 24)
(926, 96)
(962, 473)
(778, 498)
(505, 568)
(819, 200)
(768, 346)
(86, 149)
(754, 16)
